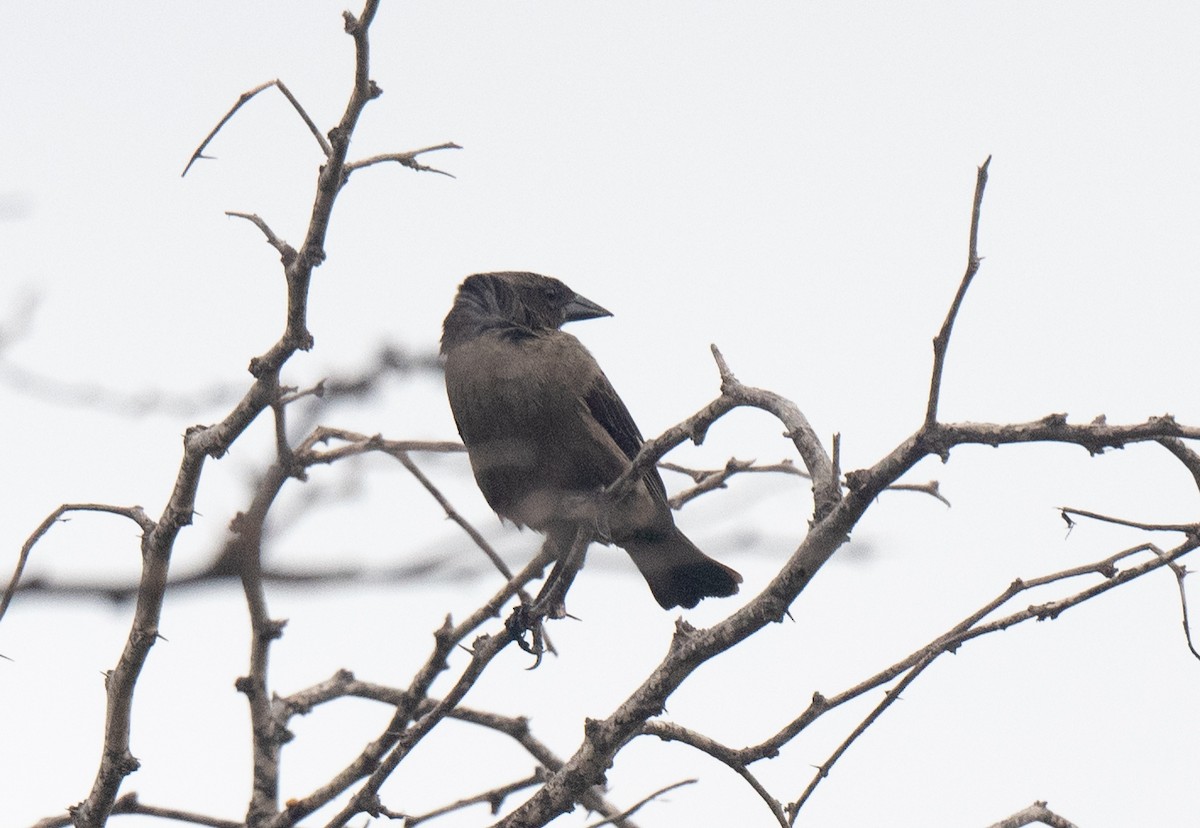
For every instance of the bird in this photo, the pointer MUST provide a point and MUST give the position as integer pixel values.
(544, 428)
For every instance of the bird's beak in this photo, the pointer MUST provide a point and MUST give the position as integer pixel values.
(581, 308)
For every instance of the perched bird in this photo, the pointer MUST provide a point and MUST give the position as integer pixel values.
(543, 427)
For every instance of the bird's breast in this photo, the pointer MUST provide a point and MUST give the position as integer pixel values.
(497, 387)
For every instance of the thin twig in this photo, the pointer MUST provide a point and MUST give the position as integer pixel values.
(966, 629)
(969, 629)
(453, 513)
(129, 804)
(493, 798)
(134, 513)
(366, 799)
(1180, 573)
(628, 812)
(734, 759)
(1189, 528)
(793, 809)
(1190, 459)
(287, 253)
(404, 159)
(411, 701)
(343, 684)
(307, 455)
(931, 488)
(241, 101)
(942, 340)
(708, 480)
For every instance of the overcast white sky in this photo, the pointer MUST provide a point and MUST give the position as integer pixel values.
(789, 180)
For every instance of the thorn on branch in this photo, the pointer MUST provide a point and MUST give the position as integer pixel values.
(1067, 520)
(273, 629)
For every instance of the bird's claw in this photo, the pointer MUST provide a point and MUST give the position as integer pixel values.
(521, 621)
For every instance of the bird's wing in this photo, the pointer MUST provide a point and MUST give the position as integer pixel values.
(610, 412)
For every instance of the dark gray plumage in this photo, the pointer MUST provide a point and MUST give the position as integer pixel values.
(542, 424)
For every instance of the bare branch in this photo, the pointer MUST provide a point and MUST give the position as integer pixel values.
(404, 159)
(1185, 455)
(307, 455)
(619, 819)
(242, 99)
(343, 684)
(1094, 437)
(942, 340)
(708, 480)
(412, 700)
(134, 513)
(129, 804)
(826, 485)
(201, 442)
(1189, 528)
(493, 798)
(1180, 573)
(734, 759)
(244, 552)
(931, 488)
(970, 628)
(453, 513)
(287, 253)
(366, 799)
(826, 488)
(793, 809)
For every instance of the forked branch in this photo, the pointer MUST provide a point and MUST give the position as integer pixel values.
(241, 101)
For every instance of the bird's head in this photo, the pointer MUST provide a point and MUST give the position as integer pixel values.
(514, 299)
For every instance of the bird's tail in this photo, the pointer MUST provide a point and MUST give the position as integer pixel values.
(678, 573)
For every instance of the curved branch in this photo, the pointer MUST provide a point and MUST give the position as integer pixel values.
(826, 486)
(1190, 459)
(287, 254)
(671, 732)
(134, 513)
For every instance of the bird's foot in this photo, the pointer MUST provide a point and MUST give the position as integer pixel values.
(524, 620)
